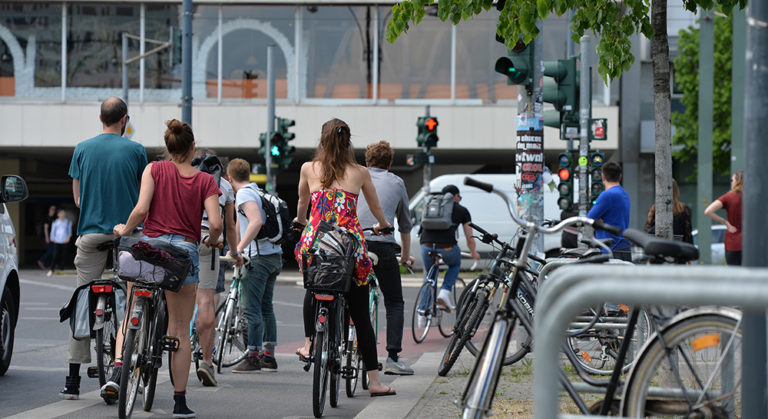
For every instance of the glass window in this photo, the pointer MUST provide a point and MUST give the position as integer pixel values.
(244, 54)
(159, 19)
(43, 21)
(335, 42)
(7, 82)
(418, 64)
(94, 44)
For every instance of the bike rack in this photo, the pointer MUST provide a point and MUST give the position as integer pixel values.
(571, 288)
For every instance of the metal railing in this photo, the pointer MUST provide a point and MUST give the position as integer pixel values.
(568, 290)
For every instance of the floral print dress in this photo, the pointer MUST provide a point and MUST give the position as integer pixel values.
(337, 207)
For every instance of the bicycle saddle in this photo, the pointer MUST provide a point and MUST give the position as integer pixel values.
(662, 248)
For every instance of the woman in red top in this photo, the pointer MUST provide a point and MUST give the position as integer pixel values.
(172, 197)
(732, 203)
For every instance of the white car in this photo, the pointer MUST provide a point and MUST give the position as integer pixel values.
(718, 243)
(12, 189)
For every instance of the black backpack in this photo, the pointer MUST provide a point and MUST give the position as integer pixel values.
(276, 227)
(210, 164)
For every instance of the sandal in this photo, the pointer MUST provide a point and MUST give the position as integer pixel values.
(390, 392)
(302, 357)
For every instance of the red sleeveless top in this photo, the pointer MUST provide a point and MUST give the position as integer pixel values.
(177, 204)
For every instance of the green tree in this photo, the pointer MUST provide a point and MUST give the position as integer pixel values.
(615, 23)
(687, 80)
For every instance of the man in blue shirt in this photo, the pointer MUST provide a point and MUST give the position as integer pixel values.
(258, 283)
(612, 207)
(106, 172)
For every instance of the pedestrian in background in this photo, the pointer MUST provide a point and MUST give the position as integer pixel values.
(171, 202)
(105, 172)
(61, 233)
(732, 202)
(681, 218)
(612, 207)
(393, 197)
(46, 260)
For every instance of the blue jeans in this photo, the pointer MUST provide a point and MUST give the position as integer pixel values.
(451, 257)
(257, 290)
(178, 241)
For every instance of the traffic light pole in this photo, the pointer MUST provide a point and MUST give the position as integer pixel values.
(270, 184)
(428, 165)
(585, 103)
(186, 62)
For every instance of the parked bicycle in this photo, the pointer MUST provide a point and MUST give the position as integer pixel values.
(426, 310)
(687, 347)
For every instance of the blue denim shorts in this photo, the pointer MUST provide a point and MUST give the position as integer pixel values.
(178, 241)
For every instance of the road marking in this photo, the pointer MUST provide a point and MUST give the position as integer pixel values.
(23, 317)
(36, 369)
(65, 407)
(41, 308)
(45, 284)
(285, 303)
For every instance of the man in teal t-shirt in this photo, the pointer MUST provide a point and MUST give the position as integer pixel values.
(106, 172)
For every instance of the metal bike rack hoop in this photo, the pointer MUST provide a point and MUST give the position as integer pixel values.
(571, 288)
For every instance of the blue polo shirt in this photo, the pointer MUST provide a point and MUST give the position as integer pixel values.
(612, 207)
(109, 169)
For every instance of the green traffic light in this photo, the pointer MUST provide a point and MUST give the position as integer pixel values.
(275, 150)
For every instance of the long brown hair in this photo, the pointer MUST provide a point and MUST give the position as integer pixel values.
(677, 207)
(739, 178)
(335, 151)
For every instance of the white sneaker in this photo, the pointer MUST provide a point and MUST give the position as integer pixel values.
(50, 273)
(444, 300)
(421, 321)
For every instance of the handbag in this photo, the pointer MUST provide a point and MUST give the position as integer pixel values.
(333, 260)
(152, 262)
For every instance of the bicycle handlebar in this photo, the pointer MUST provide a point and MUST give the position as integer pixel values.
(382, 231)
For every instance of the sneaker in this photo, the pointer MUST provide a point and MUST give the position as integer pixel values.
(421, 321)
(50, 273)
(248, 365)
(268, 363)
(180, 409)
(41, 265)
(205, 374)
(392, 367)
(444, 300)
(111, 390)
(71, 389)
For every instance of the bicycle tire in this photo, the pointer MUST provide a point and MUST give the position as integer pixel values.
(320, 373)
(457, 340)
(232, 336)
(131, 373)
(596, 350)
(690, 339)
(105, 349)
(364, 382)
(221, 326)
(350, 361)
(425, 294)
(160, 328)
(446, 320)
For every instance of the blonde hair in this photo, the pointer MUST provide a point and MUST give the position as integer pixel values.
(739, 178)
(239, 170)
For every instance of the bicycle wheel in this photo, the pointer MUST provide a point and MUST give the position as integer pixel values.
(363, 373)
(421, 317)
(320, 374)
(447, 320)
(233, 341)
(460, 334)
(130, 378)
(350, 361)
(596, 349)
(692, 368)
(153, 365)
(105, 348)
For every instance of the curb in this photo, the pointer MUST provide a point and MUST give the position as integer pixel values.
(410, 390)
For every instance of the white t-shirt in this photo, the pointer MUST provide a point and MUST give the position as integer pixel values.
(60, 230)
(227, 197)
(265, 247)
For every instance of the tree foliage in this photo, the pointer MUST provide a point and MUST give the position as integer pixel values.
(613, 22)
(687, 80)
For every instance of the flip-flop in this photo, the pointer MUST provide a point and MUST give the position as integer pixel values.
(302, 358)
(390, 392)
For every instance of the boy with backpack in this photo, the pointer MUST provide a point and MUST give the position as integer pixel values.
(441, 218)
(261, 230)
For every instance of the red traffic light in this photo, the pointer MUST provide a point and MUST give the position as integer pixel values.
(431, 123)
(564, 173)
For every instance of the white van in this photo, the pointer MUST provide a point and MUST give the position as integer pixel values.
(487, 210)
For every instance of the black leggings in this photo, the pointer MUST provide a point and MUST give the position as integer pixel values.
(357, 300)
(733, 257)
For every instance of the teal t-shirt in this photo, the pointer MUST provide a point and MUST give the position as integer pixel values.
(109, 169)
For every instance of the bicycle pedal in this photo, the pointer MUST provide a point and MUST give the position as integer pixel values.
(379, 366)
(307, 366)
(170, 343)
(93, 372)
(348, 373)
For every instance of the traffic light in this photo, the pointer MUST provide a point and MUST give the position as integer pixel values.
(565, 187)
(518, 66)
(561, 89)
(284, 150)
(427, 136)
(176, 38)
(596, 159)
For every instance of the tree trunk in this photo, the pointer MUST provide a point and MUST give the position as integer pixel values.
(661, 105)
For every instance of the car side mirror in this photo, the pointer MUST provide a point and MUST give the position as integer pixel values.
(13, 189)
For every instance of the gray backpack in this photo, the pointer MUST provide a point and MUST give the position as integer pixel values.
(438, 212)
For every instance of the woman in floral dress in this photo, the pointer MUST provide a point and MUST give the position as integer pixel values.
(332, 182)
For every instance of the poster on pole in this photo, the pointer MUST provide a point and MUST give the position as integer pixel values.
(529, 159)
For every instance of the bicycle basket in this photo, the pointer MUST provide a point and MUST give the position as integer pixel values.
(152, 262)
(333, 260)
